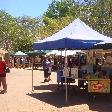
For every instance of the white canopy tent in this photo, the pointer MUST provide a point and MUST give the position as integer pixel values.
(62, 53)
(53, 52)
(77, 35)
(68, 52)
(106, 41)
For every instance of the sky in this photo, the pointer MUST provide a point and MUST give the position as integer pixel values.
(33, 8)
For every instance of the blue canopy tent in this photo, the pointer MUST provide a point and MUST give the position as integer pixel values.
(77, 35)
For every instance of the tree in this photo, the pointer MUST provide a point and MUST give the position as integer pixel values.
(58, 15)
(63, 8)
(17, 33)
(28, 33)
(98, 14)
(8, 26)
(51, 26)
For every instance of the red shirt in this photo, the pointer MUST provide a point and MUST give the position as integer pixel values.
(2, 68)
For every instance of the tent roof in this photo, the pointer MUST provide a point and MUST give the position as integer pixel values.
(35, 53)
(20, 53)
(76, 33)
(68, 52)
(53, 52)
(59, 53)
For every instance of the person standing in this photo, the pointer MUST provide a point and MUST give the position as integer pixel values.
(3, 76)
(23, 62)
(47, 72)
(49, 68)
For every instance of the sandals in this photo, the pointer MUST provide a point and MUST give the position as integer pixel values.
(3, 92)
(49, 79)
(45, 80)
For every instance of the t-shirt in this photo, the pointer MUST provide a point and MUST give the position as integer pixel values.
(46, 64)
(2, 68)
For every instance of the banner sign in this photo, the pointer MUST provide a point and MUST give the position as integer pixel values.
(100, 86)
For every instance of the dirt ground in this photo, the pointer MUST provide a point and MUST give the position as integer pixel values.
(47, 97)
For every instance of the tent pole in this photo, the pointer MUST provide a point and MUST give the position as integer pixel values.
(66, 92)
(32, 74)
(61, 59)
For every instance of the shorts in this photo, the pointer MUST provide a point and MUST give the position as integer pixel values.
(3, 75)
(46, 74)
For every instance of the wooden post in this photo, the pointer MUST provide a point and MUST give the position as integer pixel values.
(32, 74)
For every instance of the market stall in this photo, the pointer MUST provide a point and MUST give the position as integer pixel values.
(77, 35)
(36, 58)
(94, 75)
(100, 81)
(19, 59)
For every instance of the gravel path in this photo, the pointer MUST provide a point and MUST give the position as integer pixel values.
(47, 97)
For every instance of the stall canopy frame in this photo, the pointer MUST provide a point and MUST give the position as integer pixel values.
(77, 35)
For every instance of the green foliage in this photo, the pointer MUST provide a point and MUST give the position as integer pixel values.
(24, 44)
(20, 33)
(28, 33)
(17, 33)
(96, 13)
(8, 27)
(98, 16)
(52, 26)
(63, 8)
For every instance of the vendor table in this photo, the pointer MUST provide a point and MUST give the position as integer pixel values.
(95, 85)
